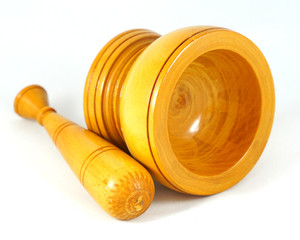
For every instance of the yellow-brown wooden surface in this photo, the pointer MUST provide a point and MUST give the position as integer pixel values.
(195, 106)
(120, 185)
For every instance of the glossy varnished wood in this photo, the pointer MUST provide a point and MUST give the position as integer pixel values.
(195, 106)
(120, 185)
(105, 80)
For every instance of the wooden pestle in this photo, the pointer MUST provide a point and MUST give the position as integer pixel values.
(120, 185)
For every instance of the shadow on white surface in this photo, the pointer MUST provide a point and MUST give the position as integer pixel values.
(281, 155)
(168, 202)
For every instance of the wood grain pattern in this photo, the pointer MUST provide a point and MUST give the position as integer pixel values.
(120, 185)
(105, 79)
(194, 106)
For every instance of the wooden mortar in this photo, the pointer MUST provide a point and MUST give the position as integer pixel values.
(194, 106)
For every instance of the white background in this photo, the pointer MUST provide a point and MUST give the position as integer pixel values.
(53, 43)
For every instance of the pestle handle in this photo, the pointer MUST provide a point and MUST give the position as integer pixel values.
(119, 184)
